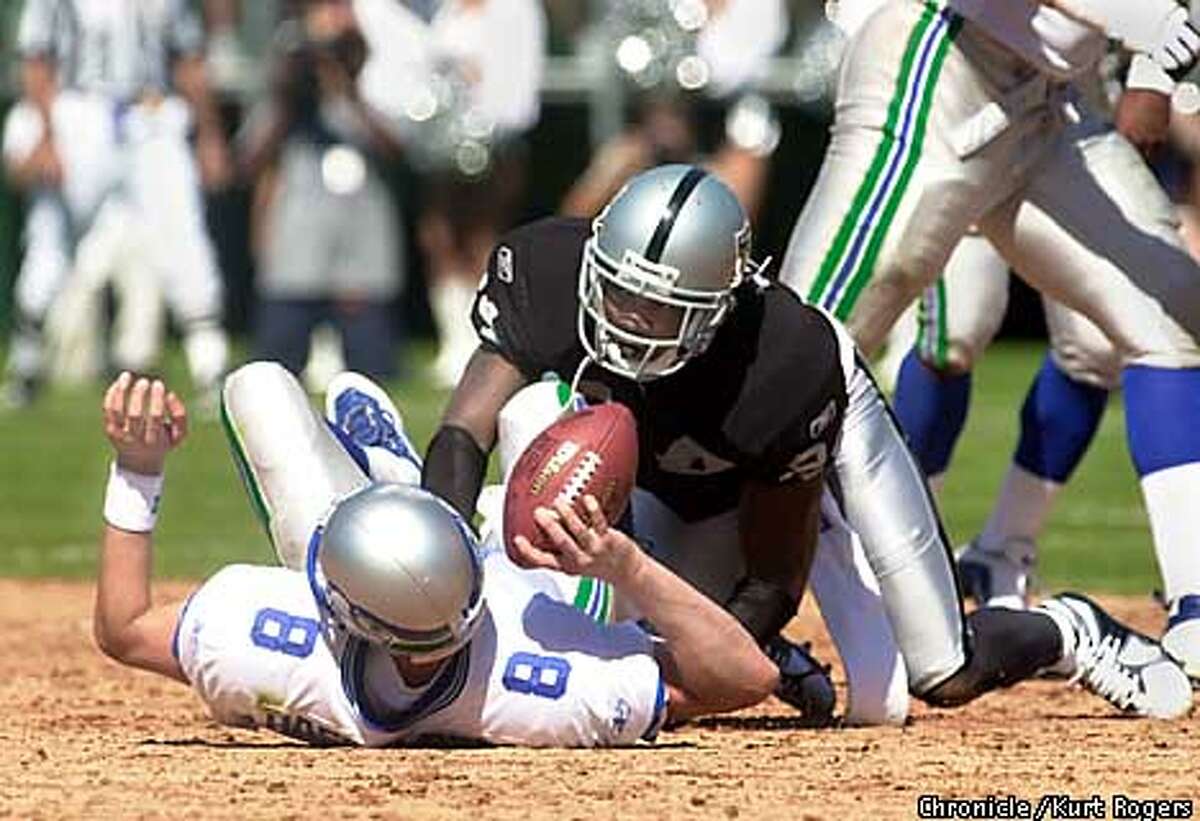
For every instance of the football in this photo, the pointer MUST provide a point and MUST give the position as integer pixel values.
(592, 451)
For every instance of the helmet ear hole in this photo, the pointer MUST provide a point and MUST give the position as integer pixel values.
(674, 235)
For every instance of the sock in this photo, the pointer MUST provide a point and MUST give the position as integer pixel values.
(932, 409)
(1162, 409)
(450, 302)
(1058, 421)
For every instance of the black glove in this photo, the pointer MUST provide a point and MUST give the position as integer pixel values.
(803, 682)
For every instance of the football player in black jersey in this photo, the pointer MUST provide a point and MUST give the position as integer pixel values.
(750, 405)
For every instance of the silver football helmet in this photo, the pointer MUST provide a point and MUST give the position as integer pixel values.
(673, 244)
(397, 566)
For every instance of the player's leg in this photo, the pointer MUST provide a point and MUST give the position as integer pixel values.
(1059, 417)
(898, 188)
(1097, 232)
(952, 659)
(958, 316)
(847, 593)
(292, 464)
(166, 191)
(44, 269)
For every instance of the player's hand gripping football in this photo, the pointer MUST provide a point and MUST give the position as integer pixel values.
(579, 547)
(143, 421)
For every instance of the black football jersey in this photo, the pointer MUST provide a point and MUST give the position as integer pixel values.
(765, 400)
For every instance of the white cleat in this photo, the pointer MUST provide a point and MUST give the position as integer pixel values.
(1125, 668)
(1182, 638)
(998, 576)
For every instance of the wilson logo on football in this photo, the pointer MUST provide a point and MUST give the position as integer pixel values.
(554, 466)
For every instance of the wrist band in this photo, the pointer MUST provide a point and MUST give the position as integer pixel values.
(131, 500)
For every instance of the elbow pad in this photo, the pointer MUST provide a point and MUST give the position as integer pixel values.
(454, 469)
(764, 608)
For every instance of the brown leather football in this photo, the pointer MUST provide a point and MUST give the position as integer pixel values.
(593, 451)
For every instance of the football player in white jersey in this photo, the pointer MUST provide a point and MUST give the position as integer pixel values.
(963, 122)
(100, 123)
(954, 323)
(399, 624)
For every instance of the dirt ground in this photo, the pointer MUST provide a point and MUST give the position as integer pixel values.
(80, 737)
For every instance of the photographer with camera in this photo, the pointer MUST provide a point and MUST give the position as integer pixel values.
(326, 227)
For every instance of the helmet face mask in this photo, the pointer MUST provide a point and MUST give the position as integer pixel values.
(695, 274)
(397, 567)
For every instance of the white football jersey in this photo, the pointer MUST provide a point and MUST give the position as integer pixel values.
(539, 672)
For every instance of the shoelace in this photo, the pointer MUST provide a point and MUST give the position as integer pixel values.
(1108, 678)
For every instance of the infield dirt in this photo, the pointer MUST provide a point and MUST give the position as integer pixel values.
(82, 738)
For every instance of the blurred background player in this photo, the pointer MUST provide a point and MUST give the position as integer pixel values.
(393, 623)
(462, 78)
(327, 228)
(677, 61)
(111, 71)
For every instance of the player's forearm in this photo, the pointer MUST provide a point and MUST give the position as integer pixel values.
(456, 461)
(712, 657)
(122, 589)
(454, 468)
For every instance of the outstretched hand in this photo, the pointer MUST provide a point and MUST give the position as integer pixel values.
(580, 548)
(143, 421)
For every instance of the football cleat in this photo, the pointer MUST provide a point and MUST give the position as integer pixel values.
(1182, 638)
(363, 412)
(804, 683)
(1124, 667)
(1000, 576)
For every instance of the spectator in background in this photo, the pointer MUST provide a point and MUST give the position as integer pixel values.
(704, 51)
(99, 124)
(326, 226)
(463, 77)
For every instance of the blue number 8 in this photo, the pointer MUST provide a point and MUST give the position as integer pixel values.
(544, 676)
(275, 630)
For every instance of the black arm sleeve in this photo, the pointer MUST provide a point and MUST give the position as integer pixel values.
(454, 468)
(764, 608)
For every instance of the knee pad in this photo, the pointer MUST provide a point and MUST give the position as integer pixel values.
(293, 467)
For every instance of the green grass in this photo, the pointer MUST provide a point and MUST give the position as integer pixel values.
(55, 456)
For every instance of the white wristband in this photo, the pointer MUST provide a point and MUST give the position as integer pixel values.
(131, 500)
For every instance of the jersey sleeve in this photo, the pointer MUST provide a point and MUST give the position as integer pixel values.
(35, 31)
(790, 413)
(526, 306)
